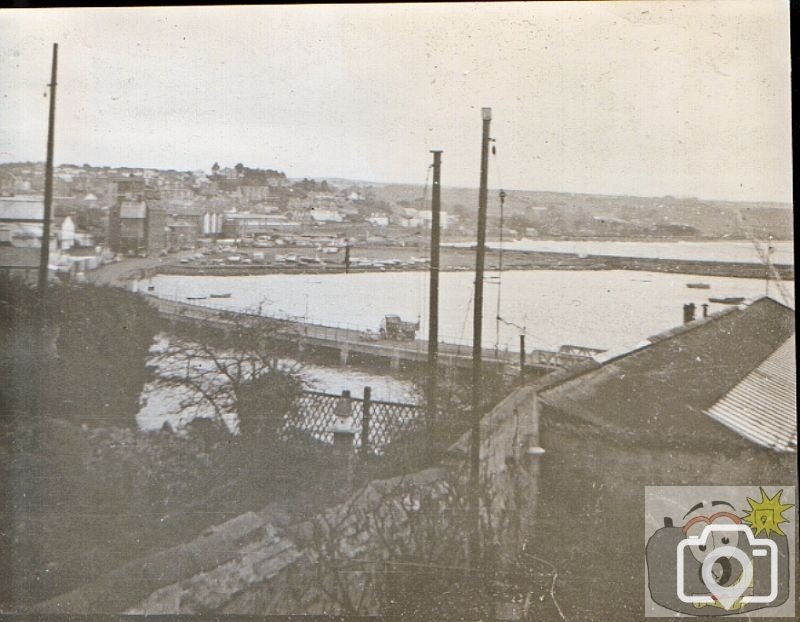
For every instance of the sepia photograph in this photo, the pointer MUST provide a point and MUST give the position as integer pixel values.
(471, 311)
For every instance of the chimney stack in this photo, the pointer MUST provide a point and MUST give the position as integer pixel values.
(688, 313)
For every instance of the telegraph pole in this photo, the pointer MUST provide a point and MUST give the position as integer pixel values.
(44, 258)
(500, 274)
(433, 321)
(477, 332)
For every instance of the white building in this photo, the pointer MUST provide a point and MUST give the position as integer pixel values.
(212, 223)
(65, 231)
(379, 220)
(409, 221)
(321, 215)
(426, 216)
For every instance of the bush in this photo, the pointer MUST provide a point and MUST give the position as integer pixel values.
(94, 367)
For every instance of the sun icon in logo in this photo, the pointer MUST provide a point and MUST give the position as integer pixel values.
(767, 515)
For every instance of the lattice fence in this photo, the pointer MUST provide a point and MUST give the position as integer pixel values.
(314, 414)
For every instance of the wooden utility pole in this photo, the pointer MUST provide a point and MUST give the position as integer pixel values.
(433, 320)
(347, 258)
(499, 274)
(477, 332)
(44, 257)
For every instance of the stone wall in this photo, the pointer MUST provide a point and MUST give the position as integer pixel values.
(590, 515)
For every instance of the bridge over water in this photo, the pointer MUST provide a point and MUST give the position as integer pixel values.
(349, 340)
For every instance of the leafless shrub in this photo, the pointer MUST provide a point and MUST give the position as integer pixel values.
(399, 548)
(219, 375)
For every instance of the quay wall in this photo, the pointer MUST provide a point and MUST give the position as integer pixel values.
(512, 260)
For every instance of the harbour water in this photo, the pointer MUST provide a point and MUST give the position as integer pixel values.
(610, 310)
(602, 309)
(160, 403)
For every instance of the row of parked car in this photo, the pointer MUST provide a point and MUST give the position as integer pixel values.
(363, 262)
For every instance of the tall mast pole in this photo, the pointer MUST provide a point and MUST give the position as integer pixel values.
(500, 274)
(477, 331)
(44, 258)
(433, 311)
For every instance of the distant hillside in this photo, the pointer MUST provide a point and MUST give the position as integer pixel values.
(566, 214)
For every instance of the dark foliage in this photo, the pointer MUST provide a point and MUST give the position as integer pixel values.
(84, 491)
(85, 328)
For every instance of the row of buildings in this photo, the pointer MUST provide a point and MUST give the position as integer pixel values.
(102, 211)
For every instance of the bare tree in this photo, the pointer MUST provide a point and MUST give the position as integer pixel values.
(398, 548)
(223, 370)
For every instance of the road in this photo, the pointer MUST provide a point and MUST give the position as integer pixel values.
(116, 273)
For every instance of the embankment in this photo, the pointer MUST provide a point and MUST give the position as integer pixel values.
(463, 259)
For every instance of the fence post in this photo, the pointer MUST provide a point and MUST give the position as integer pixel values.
(365, 422)
(343, 434)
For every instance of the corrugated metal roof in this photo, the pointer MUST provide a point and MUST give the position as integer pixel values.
(662, 390)
(763, 406)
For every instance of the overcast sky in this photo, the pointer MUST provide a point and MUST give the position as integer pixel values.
(644, 98)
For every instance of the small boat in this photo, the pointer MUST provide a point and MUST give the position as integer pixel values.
(220, 295)
(698, 286)
(730, 300)
(196, 297)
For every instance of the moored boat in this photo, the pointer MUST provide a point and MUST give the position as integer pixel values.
(698, 286)
(730, 300)
(221, 295)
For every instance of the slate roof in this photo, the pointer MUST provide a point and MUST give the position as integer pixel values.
(664, 386)
(763, 406)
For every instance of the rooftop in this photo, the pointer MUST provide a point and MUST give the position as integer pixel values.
(21, 209)
(763, 406)
(666, 384)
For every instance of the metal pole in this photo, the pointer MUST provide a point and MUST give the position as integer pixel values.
(433, 312)
(769, 253)
(477, 330)
(44, 257)
(365, 421)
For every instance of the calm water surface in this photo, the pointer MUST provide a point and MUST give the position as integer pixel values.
(611, 310)
(602, 309)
